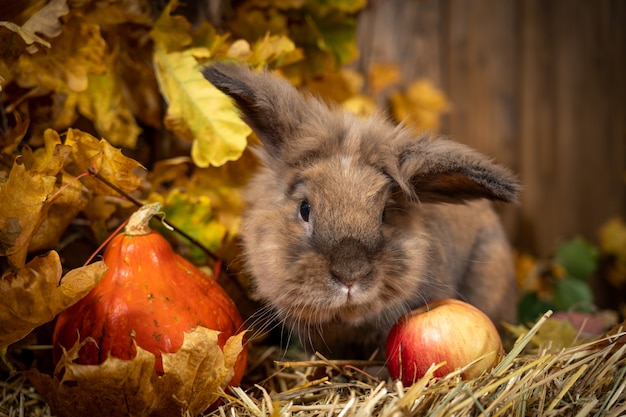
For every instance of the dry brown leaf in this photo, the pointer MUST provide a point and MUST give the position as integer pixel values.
(46, 21)
(35, 294)
(10, 141)
(21, 213)
(60, 208)
(50, 159)
(193, 379)
(66, 205)
(110, 163)
(76, 53)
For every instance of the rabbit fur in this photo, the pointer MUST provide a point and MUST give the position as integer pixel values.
(353, 222)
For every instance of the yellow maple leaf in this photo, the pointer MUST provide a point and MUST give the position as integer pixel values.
(171, 33)
(108, 161)
(274, 49)
(420, 106)
(36, 293)
(21, 213)
(198, 111)
(68, 200)
(74, 54)
(193, 379)
(107, 107)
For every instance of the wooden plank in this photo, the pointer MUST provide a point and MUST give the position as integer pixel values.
(481, 76)
(404, 33)
(537, 127)
(537, 84)
(572, 150)
(480, 66)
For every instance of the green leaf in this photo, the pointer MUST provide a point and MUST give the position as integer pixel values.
(348, 6)
(531, 307)
(578, 257)
(198, 111)
(571, 294)
(194, 215)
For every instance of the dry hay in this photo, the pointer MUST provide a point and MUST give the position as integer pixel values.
(584, 380)
(588, 379)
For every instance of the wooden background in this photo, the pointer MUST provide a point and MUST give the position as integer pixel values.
(537, 84)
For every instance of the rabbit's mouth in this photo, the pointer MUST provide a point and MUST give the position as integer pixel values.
(349, 309)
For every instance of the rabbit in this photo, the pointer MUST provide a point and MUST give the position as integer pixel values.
(352, 222)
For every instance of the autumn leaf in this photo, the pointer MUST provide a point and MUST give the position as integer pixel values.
(21, 213)
(420, 106)
(336, 86)
(613, 243)
(194, 378)
(136, 78)
(109, 162)
(205, 35)
(46, 21)
(193, 214)
(36, 293)
(104, 104)
(50, 159)
(274, 49)
(252, 21)
(36, 219)
(171, 33)
(27, 36)
(198, 111)
(76, 53)
(10, 141)
(382, 76)
(348, 6)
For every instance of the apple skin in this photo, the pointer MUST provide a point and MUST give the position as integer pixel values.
(444, 330)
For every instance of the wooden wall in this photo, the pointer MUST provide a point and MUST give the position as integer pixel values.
(538, 84)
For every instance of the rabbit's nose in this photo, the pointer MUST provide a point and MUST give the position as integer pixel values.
(349, 262)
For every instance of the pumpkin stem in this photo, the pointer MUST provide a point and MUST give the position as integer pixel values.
(139, 221)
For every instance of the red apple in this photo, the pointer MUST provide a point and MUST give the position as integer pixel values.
(443, 330)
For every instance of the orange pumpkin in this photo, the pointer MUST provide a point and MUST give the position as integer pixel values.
(150, 296)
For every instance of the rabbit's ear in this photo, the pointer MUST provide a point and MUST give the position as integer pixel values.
(439, 170)
(271, 106)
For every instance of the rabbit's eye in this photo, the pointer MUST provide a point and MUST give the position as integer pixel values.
(305, 210)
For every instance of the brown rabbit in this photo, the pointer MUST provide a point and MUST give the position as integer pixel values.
(351, 223)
